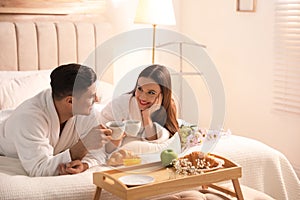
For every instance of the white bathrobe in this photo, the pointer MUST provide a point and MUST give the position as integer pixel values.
(31, 133)
(125, 107)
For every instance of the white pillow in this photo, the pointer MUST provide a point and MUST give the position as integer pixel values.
(17, 86)
(14, 91)
(144, 147)
(4, 114)
(17, 74)
(104, 92)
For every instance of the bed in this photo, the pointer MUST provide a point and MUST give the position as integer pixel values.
(29, 50)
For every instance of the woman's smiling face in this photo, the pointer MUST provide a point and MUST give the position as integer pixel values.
(146, 92)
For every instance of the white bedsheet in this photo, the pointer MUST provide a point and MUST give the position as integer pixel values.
(263, 168)
(15, 184)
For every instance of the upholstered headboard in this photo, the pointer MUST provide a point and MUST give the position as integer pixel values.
(28, 49)
(45, 45)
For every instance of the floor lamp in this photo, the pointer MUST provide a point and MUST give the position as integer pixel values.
(155, 12)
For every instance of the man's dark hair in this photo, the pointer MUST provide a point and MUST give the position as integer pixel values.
(70, 78)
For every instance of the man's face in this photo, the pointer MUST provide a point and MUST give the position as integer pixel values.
(82, 104)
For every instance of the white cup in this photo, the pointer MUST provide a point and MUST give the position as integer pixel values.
(117, 128)
(132, 127)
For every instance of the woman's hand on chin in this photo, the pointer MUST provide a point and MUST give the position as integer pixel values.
(154, 107)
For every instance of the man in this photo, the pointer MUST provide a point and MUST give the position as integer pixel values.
(49, 133)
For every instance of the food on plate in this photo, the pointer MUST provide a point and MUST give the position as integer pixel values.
(167, 156)
(196, 163)
(123, 157)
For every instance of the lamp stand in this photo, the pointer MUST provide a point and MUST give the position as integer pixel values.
(153, 43)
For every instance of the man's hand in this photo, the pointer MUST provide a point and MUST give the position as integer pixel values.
(95, 139)
(73, 167)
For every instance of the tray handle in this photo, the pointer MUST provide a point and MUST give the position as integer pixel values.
(111, 182)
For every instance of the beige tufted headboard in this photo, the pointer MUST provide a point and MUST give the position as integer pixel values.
(45, 45)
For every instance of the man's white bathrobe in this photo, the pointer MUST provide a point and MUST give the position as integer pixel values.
(32, 133)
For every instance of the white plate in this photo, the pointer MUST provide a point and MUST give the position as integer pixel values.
(136, 179)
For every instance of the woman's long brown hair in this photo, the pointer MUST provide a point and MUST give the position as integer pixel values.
(166, 115)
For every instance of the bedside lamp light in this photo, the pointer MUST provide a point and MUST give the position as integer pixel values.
(155, 12)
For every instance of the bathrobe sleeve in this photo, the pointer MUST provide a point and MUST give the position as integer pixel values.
(116, 110)
(33, 146)
(83, 125)
(162, 134)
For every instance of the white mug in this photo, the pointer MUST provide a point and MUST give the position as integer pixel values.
(132, 127)
(117, 127)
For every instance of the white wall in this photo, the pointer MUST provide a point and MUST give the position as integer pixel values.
(241, 46)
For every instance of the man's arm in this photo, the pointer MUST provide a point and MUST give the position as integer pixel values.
(78, 151)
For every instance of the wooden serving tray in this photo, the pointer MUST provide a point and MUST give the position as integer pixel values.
(163, 184)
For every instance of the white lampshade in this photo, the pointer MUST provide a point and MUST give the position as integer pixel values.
(155, 12)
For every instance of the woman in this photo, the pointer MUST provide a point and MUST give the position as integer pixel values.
(150, 102)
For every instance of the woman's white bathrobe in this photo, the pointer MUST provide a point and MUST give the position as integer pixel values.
(125, 107)
(31, 133)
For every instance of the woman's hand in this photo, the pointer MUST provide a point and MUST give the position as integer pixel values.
(150, 131)
(113, 144)
(154, 107)
(73, 167)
